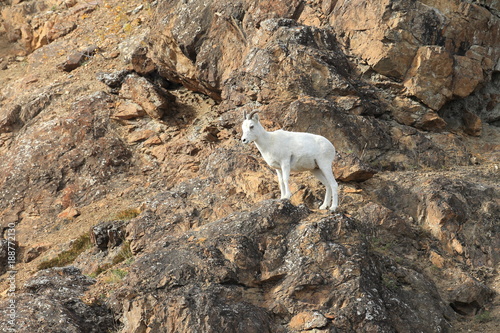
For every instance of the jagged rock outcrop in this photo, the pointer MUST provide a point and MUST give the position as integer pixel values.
(107, 235)
(460, 211)
(306, 52)
(61, 155)
(420, 46)
(266, 270)
(51, 300)
(155, 102)
(423, 43)
(34, 24)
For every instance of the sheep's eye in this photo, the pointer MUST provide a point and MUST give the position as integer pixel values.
(251, 126)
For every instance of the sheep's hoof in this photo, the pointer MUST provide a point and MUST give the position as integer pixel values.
(333, 208)
(323, 207)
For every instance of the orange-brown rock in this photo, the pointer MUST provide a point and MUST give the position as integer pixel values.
(468, 73)
(155, 101)
(69, 213)
(307, 321)
(34, 24)
(431, 121)
(448, 208)
(472, 123)
(78, 58)
(127, 109)
(350, 168)
(430, 76)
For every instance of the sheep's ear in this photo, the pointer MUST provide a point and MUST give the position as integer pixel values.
(256, 116)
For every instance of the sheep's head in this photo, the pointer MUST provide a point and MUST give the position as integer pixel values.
(250, 126)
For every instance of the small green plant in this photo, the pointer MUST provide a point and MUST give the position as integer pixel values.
(382, 246)
(65, 258)
(116, 276)
(389, 282)
(483, 317)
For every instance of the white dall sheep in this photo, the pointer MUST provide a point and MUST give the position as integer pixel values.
(293, 151)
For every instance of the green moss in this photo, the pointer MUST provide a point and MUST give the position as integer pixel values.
(483, 317)
(389, 282)
(381, 245)
(65, 258)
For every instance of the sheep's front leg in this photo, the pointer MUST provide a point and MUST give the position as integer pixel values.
(285, 177)
(280, 181)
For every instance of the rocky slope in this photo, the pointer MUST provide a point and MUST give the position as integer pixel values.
(128, 204)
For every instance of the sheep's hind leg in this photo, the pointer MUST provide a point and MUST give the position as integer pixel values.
(328, 195)
(326, 170)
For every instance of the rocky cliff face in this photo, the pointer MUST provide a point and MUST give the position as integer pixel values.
(128, 204)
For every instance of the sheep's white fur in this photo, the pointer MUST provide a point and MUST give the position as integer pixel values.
(294, 151)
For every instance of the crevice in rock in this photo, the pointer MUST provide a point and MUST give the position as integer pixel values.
(466, 309)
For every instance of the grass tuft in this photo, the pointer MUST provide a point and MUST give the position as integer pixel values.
(124, 254)
(65, 258)
(127, 214)
(116, 276)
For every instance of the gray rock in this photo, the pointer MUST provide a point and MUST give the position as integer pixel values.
(114, 79)
(51, 300)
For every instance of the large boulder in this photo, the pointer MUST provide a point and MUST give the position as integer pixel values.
(458, 208)
(275, 268)
(74, 152)
(33, 24)
(51, 299)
